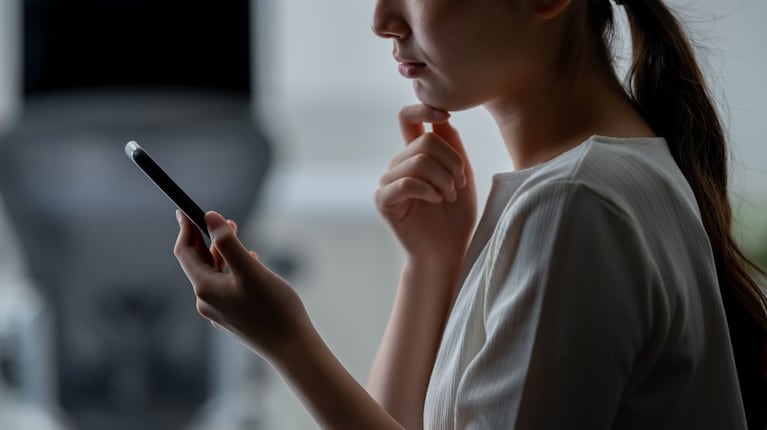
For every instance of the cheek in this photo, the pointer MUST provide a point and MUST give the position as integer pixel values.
(463, 80)
(468, 67)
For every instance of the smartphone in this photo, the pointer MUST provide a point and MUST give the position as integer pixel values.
(167, 185)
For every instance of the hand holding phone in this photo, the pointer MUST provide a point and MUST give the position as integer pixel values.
(167, 185)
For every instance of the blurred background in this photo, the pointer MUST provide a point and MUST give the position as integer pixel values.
(282, 115)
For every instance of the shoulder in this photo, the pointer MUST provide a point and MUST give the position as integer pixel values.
(580, 253)
(581, 260)
(588, 207)
(605, 162)
(561, 218)
(626, 175)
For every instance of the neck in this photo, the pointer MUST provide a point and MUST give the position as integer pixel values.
(553, 115)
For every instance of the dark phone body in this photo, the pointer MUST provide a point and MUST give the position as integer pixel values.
(167, 185)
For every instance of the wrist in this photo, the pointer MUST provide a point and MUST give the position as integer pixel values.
(439, 268)
(325, 387)
(294, 348)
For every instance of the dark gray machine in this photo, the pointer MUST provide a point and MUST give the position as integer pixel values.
(175, 75)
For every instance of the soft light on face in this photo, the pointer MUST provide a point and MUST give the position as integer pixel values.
(460, 53)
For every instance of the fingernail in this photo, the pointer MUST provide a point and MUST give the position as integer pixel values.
(178, 215)
(214, 222)
(439, 115)
(462, 180)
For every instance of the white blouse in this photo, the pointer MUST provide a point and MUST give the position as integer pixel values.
(590, 301)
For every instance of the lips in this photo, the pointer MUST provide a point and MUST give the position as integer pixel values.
(405, 60)
(410, 68)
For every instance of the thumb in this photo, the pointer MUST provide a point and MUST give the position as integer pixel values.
(446, 131)
(234, 253)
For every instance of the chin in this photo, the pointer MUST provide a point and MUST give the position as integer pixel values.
(451, 101)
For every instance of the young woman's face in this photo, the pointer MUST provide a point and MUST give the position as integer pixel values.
(462, 53)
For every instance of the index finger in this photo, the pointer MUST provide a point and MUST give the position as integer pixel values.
(411, 119)
(234, 253)
(190, 250)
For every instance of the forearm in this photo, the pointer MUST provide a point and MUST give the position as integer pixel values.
(403, 365)
(328, 391)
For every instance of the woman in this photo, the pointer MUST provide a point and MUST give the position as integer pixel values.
(600, 283)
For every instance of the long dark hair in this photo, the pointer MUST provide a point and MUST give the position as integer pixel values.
(668, 88)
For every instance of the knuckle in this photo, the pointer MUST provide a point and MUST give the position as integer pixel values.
(408, 111)
(204, 293)
(418, 145)
(432, 139)
(384, 195)
(204, 309)
(460, 166)
(395, 160)
(421, 160)
(385, 179)
(378, 197)
(407, 184)
(177, 250)
(429, 145)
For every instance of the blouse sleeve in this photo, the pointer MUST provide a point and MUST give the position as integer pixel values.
(567, 309)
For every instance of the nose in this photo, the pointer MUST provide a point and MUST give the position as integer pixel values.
(388, 21)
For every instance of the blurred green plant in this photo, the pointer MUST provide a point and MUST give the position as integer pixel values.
(750, 230)
(760, 256)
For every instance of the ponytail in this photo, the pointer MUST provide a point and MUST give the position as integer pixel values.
(668, 88)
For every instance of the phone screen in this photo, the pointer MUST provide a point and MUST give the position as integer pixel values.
(167, 185)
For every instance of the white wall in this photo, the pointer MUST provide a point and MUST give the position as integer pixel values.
(337, 89)
(331, 97)
(9, 61)
(734, 37)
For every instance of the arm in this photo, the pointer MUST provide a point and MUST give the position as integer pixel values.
(568, 312)
(429, 200)
(328, 391)
(241, 296)
(263, 312)
(401, 370)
